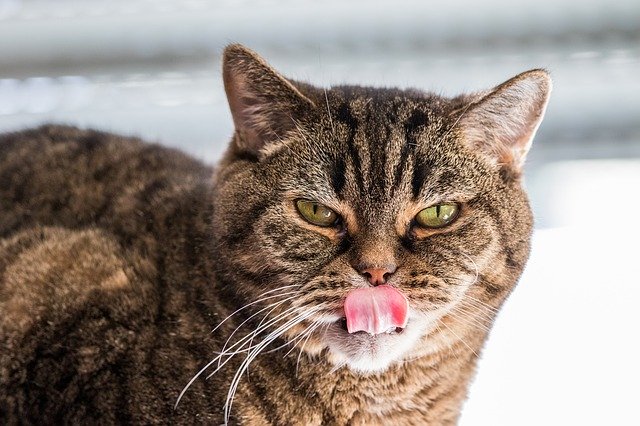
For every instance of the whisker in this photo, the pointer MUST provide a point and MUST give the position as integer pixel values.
(251, 356)
(475, 265)
(262, 320)
(259, 327)
(299, 338)
(257, 301)
(477, 312)
(249, 337)
(468, 319)
(472, 301)
(440, 331)
(241, 342)
(294, 340)
(464, 111)
(305, 342)
(456, 280)
(301, 133)
(326, 98)
(459, 338)
(221, 365)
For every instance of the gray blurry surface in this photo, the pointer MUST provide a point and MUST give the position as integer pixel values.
(151, 68)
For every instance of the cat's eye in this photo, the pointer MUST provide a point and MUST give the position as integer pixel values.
(438, 216)
(317, 213)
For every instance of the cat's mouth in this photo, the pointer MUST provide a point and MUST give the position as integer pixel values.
(371, 333)
(369, 352)
(375, 310)
(342, 323)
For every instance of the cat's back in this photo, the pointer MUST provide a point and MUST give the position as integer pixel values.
(65, 176)
(87, 220)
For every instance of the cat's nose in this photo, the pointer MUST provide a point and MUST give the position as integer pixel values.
(377, 275)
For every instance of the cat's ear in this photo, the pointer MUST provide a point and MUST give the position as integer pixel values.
(501, 124)
(265, 106)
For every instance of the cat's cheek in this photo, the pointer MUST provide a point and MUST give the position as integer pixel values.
(292, 246)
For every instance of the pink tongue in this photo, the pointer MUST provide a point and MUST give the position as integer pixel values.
(375, 309)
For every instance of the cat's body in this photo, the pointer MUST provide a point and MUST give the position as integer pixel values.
(118, 258)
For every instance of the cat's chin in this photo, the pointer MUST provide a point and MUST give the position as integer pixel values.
(371, 354)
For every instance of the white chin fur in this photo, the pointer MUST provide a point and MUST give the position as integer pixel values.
(366, 364)
(368, 354)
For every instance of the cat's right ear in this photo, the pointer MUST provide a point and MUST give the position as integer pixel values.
(264, 105)
(501, 124)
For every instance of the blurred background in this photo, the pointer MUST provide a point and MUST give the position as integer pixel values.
(566, 347)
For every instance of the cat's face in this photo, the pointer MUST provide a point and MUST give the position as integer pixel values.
(413, 197)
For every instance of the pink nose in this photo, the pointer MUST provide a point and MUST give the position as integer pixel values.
(378, 275)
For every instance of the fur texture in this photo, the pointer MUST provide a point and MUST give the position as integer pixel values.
(117, 258)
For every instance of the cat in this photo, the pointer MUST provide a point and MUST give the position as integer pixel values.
(350, 252)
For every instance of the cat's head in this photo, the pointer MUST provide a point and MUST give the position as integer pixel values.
(375, 225)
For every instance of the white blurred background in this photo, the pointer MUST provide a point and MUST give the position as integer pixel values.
(566, 348)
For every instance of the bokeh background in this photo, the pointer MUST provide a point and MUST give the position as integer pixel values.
(565, 349)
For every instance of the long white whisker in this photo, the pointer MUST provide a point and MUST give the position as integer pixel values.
(326, 98)
(294, 340)
(299, 338)
(468, 319)
(455, 354)
(309, 334)
(273, 307)
(459, 338)
(479, 312)
(281, 346)
(257, 301)
(220, 365)
(251, 356)
(225, 352)
(473, 301)
(475, 266)
(193, 379)
(260, 323)
(243, 341)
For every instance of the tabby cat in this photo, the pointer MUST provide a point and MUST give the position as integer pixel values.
(350, 252)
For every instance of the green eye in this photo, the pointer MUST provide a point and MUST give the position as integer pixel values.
(316, 213)
(437, 216)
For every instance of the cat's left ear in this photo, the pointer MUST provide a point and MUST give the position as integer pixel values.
(502, 124)
(264, 105)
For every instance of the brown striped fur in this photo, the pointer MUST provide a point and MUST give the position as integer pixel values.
(117, 257)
